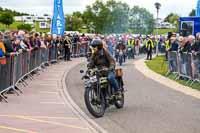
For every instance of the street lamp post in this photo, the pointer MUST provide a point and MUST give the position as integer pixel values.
(157, 5)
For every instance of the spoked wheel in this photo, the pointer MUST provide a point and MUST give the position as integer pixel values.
(95, 105)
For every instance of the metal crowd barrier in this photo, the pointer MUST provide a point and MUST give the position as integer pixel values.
(185, 65)
(61, 52)
(185, 68)
(53, 53)
(22, 65)
(6, 76)
(79, 49)
(75, 49)
(196, 68)
(173, 63)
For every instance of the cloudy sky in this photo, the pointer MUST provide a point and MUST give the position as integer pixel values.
(39, 7)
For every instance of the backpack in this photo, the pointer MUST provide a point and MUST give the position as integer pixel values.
(1, 53)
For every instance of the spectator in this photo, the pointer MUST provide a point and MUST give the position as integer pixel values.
(187, 45)
(37, 40)
(75, 40)
(59, 44)
(172, 56)
(182, 49)
(26, 41)
(195, 49)
(8, 44)
(2, 51)
(22, 44)
(67, 46)
(174, 44)
(137, 46)
(182, 43)
(149, 48)
(109, 46)
(17, 46)
(84, 45)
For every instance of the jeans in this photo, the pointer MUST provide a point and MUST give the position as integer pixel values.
(173, 66)
(113, 80)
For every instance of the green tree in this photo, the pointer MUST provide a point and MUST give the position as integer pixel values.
(141, 21)
(107, 17)
(14, 13)
(119, 17)
(74, 22)
(6, 18)
(26, 27)
(111, 17)
(173, 19)
(192, 13)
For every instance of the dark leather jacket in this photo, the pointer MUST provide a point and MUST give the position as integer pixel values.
(102, 59)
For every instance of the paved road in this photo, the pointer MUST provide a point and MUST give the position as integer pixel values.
(42, 108)
(149, 107)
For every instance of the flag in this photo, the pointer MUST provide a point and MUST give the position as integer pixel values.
(198, 8)
(58, 20)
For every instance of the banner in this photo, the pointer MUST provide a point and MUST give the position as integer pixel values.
(58, 20)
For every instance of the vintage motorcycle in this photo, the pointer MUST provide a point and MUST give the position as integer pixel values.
(130, 52)
(99, 94)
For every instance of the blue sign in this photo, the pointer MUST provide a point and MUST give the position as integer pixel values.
(58, 20)
(198, 8)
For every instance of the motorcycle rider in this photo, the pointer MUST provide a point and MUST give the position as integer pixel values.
(122, 47)
(102, 59)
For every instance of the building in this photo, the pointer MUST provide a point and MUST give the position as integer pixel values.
(44, 21)
(167, 25)
(164, 25)
(44, 18)
(44, 25)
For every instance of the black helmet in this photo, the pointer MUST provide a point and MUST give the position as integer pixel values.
(97, 43)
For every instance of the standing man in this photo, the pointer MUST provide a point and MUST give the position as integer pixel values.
(131, 47)
(75, 40)
(149, 48)
(67, 46)
(167, 47)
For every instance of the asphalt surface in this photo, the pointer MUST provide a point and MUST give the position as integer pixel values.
(149, 106)
(43, 106)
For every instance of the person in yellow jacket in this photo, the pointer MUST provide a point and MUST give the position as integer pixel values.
(131, 48)
(167, 47)
(149, 48)
(131, 42)
(3, 49)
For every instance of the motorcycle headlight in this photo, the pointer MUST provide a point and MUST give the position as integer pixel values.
(93, 79)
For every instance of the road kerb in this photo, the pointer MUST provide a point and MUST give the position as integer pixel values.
(95, 128)
(141, 66)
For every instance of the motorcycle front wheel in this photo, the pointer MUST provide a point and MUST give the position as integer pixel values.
(95, 105)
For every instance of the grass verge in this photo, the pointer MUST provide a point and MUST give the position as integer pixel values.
(160, 66)
(163, 31)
